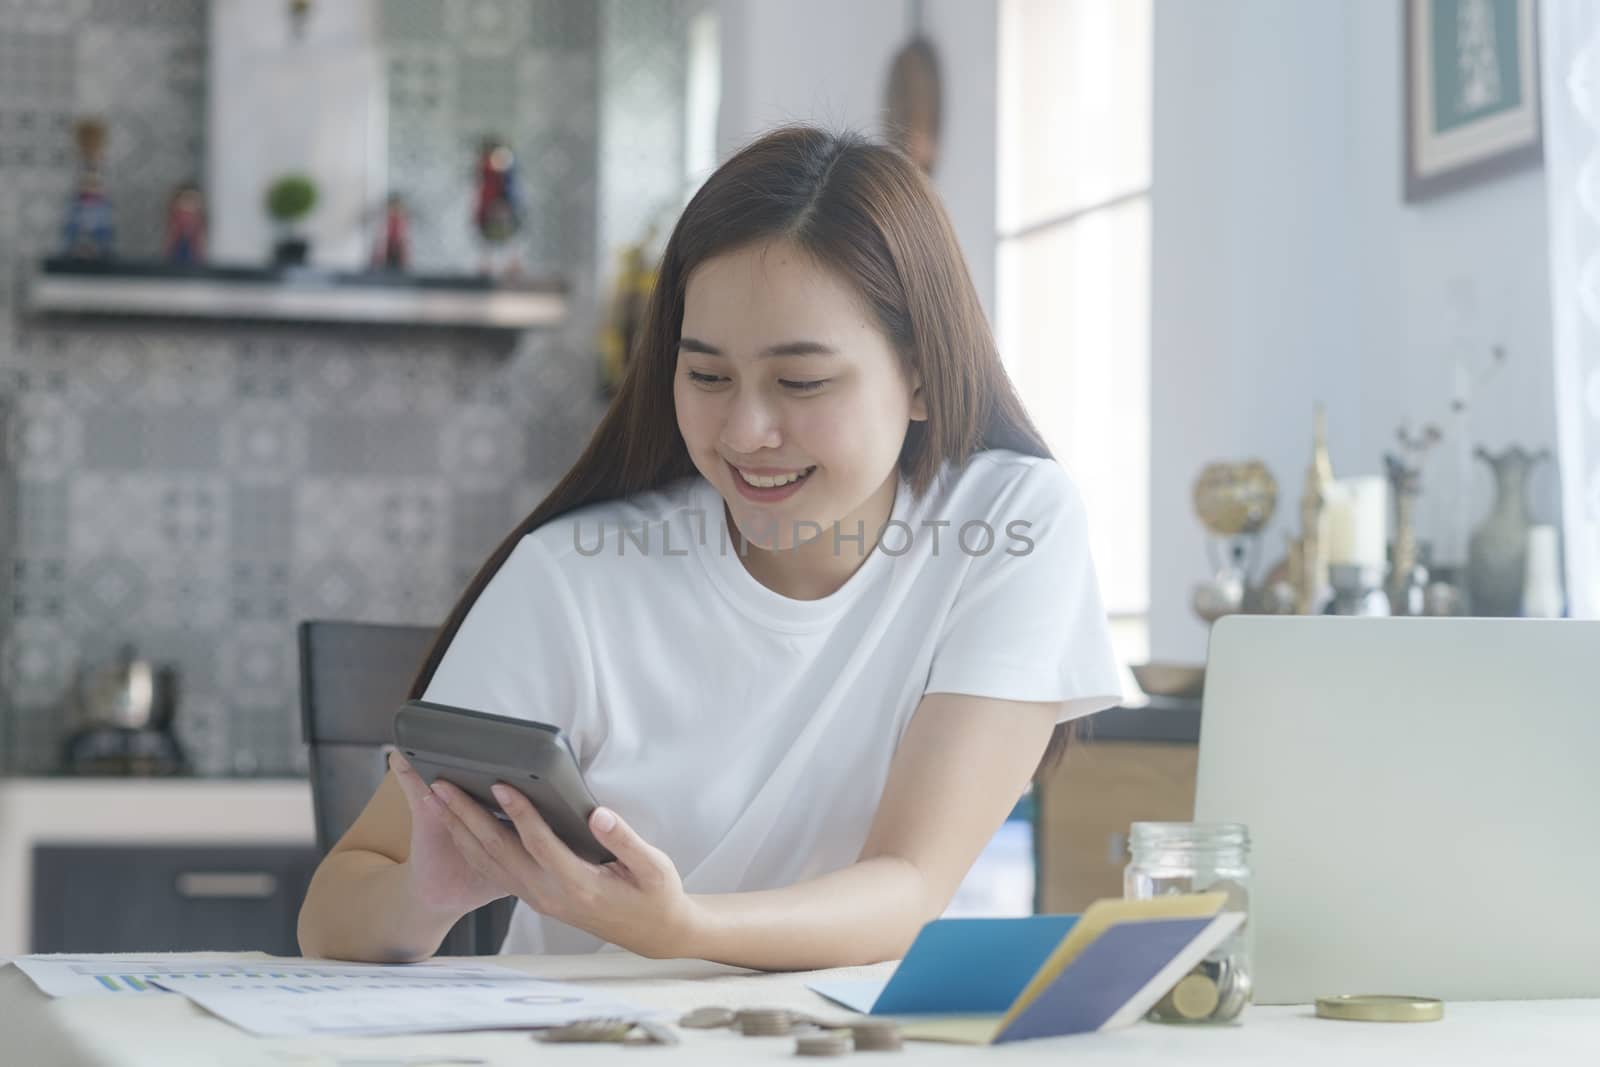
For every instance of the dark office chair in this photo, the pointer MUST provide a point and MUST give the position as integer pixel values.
(353, 676)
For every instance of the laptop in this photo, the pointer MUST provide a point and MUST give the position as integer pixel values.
(1423, 799)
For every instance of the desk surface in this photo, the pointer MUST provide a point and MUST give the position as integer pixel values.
(168, 1030)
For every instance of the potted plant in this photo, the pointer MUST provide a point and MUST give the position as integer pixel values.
(290, 199)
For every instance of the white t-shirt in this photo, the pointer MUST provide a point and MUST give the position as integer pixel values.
(746, 734)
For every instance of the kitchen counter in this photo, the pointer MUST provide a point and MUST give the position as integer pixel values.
(1173, 720)
(126, 811)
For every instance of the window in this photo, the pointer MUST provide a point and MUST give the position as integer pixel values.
(703, 98)
(1073, 265)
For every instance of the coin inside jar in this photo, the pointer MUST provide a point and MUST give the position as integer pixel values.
(1193, 998)
(1233, 991)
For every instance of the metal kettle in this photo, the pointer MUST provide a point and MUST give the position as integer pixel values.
(131, 693)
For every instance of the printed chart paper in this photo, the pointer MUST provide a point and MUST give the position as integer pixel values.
(351, 1006)
(67, 976)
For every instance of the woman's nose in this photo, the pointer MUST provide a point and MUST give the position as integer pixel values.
(750, 423)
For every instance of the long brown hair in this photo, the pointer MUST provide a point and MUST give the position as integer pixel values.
(861, 209)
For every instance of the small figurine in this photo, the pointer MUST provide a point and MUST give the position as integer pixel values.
(186, 225)
(88, 232)
(1308, 555)
(498, 210)
(1408, 579)
(630, 295)
(393, 249)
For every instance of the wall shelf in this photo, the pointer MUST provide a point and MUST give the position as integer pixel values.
(71, 287)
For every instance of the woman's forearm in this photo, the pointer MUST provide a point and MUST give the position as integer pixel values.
(360, 907)
(864, 913)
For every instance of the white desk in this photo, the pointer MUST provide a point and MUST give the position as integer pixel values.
(169, 1031)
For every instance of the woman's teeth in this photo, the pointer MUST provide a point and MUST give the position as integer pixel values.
(762, 481)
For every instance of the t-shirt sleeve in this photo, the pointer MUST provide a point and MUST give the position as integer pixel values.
(1028, 623)
(522, 652)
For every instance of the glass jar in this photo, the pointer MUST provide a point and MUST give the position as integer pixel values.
(1186, 857)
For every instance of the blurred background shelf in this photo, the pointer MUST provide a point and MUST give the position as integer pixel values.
(72, 288)
(1174, 720)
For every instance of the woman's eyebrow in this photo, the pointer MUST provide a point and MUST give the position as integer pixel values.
(787, 348)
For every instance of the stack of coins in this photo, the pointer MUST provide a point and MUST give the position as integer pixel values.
(822, 1045)
(880, 1035)
(1233, 990)
(707, 1019)
(764, 1022)
(587, 1031)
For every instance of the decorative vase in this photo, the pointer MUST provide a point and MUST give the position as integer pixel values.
(1497, 554)
(290, 250)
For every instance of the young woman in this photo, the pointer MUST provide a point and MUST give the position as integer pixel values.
(809, 607)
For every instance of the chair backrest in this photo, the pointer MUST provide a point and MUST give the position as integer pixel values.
(353, 677)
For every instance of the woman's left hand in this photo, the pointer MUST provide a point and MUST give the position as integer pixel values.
(636, 903)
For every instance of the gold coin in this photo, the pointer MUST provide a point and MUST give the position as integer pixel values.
(1381, 1009)
(1195, 997)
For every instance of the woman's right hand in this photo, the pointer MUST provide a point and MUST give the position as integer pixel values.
(441, 879)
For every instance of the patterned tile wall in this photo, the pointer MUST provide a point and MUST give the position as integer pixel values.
(198, 490)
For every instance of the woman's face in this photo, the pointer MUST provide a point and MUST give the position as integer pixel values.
(782, 372)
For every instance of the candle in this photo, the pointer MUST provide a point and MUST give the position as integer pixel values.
(1541, 584)
(1355, 522)
(1337, 529)
(1369, 506)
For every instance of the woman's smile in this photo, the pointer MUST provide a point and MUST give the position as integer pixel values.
(768, 485)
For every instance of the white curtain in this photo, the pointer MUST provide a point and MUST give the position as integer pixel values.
(1570, 43)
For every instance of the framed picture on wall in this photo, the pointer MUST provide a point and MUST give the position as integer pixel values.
(1472, 92)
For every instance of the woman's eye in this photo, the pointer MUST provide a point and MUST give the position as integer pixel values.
(792, 386)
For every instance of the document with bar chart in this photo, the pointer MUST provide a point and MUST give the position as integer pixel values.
(279, 997)
(63, 976)
(351, 1006)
